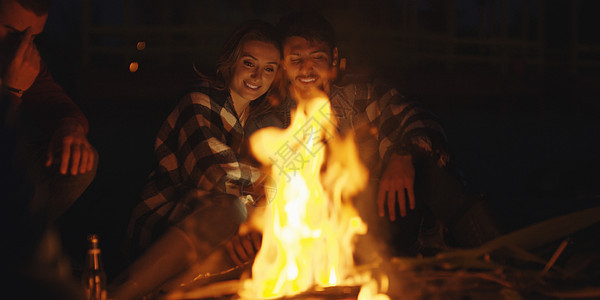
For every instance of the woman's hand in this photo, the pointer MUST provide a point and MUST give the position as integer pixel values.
(243, 248)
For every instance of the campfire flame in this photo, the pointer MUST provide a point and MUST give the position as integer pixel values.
(310, 224)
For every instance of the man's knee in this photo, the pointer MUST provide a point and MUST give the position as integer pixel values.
(64, 190)
(466, 216)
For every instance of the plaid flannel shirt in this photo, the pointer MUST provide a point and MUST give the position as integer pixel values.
(198, 153)
(382, 121)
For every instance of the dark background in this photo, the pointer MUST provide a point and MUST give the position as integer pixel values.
(515, 83)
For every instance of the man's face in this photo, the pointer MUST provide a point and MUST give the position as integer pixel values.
(14, 20)
(308, 64)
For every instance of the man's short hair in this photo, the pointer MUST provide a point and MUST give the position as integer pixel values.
(310, 25)
(38, 7)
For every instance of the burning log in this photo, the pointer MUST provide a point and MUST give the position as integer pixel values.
(229, 289)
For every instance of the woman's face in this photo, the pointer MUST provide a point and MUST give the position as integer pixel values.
(254, 71)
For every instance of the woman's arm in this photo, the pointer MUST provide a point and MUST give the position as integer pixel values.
(206, 138)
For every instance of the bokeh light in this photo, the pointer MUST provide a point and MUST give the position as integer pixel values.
(133, 66)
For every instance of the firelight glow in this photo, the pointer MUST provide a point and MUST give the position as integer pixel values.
(309, 226)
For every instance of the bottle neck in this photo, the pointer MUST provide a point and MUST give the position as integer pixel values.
(95, 259)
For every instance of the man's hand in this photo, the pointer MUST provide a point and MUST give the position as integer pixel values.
(70, 147)
(23, 68)
(243, 248)
(397, 177)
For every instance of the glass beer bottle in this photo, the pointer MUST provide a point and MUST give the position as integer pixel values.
(93, 277)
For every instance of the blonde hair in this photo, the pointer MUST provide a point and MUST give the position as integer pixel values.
(252, 30)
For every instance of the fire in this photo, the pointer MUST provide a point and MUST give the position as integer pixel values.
(309, 226)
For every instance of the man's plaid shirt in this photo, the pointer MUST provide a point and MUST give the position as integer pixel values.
(382, 120)
(197, 150)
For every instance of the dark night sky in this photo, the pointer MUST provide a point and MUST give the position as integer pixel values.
(63, 28)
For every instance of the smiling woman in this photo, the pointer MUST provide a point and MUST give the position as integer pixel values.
(253, 74)
(194, 201)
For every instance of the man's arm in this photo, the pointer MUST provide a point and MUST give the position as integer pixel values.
(49, 105)
(26, 78)
(55, 113)
(406, 133)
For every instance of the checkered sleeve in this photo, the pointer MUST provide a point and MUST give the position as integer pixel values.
(405, 127)
(197, 150)
(204, 136)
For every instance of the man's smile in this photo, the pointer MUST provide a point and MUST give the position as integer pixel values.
(307, 79)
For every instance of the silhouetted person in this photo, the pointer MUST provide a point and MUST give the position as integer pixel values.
(50, 130)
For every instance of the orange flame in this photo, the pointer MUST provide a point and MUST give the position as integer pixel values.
(309, 227)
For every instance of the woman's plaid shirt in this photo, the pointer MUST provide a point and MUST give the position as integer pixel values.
(198, 152)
